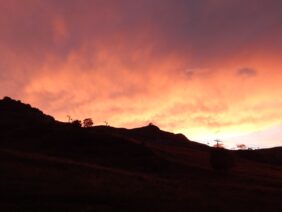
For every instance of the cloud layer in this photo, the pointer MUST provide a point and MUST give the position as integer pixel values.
(206, 68)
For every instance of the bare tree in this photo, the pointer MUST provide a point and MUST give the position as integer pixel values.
(69, 118)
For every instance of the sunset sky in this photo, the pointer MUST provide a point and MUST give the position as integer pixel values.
(210, 69)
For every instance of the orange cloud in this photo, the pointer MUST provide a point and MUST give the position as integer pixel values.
(204, 68)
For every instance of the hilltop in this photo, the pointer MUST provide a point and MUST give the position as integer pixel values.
(49, 165)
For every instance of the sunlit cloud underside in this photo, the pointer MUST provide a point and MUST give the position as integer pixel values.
(209, 69)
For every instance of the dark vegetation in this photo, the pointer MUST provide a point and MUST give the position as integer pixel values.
(221, 160)
(46, 165)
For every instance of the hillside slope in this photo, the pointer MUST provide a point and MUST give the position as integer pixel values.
(47, 165)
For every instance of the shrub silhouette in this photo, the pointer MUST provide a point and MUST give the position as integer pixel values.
(76, 123)
(221, 160)
(241, 146)
(88, 122)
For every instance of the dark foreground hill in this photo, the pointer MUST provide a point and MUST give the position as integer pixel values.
(47, 165)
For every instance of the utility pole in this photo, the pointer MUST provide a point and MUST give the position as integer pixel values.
(218, 143)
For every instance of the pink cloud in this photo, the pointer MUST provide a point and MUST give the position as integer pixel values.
(129, 62)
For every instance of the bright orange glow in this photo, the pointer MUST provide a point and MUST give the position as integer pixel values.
(131, 63)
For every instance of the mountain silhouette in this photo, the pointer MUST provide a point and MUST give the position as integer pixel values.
(47, 165)
(16, 114)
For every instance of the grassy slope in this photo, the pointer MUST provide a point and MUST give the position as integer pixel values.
(38, 181)
(51, 166)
